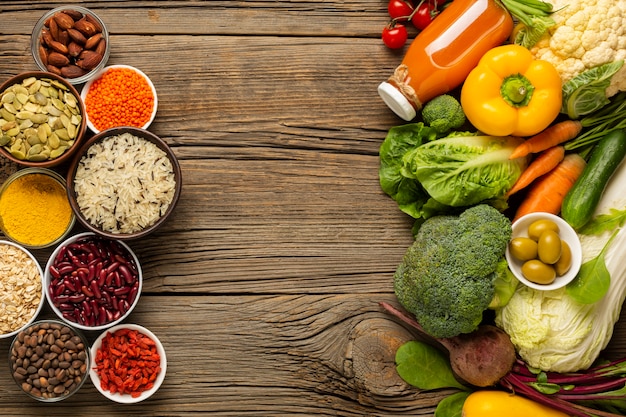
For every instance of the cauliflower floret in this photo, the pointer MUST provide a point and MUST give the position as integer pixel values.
(587, 34)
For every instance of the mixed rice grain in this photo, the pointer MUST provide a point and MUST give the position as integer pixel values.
(124, 184)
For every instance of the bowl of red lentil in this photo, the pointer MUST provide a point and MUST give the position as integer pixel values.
(124, 183)
(42, 119)
(119, 95)
(140, 361)
(92, 282)
(71, 42)
(21, 288)
(35, 211)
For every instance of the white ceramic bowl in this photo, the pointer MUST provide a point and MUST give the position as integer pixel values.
(127, 398)
(41, 295)
(566, 233)
(89, 83)
(55, 304)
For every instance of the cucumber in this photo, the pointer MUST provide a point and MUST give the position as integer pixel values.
(581, 201)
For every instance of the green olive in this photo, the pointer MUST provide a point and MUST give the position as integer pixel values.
(538, 272)
(523, 248)
(537, 227)
(549, 247)
(565, 261)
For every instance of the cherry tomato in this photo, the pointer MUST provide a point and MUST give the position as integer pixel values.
(400, 10)
(395, 35)
(425, 13)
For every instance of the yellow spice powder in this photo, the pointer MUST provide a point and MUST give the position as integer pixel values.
(34, 209)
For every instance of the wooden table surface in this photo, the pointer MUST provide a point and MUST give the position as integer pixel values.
(264, 285)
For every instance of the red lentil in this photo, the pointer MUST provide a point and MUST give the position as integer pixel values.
(120, 97)
(127, 362)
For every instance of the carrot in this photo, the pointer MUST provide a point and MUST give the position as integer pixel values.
(544, 163)
(551, 136)
(547, 193)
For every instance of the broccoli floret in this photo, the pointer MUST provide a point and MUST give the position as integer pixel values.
(443, 113)
(446, 278)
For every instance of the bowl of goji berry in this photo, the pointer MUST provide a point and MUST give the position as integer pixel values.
(128, 363)
(119, 95)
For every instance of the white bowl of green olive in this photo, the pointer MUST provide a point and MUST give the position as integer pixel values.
(544, 252)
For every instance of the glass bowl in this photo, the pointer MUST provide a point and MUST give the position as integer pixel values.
(156, 378)
(87, 32)
(21, 290)
(47, 130)
(46, 356)
(92, 282)
(111, 196)
(46, 219)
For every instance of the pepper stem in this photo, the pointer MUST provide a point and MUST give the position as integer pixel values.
(517, 90)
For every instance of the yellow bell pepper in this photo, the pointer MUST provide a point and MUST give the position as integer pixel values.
(510, 93)
(491, 403)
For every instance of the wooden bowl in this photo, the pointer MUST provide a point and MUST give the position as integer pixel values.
(87, 198)
(69, 152)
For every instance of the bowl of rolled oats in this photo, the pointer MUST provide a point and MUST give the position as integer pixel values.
(21, 288)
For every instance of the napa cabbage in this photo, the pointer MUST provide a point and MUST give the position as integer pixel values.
(553, 332)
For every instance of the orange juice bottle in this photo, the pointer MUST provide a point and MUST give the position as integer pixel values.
(443, 54)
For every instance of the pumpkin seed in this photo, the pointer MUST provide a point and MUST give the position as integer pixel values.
(39, 119)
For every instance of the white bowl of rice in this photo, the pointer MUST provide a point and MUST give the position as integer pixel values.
(124, 183)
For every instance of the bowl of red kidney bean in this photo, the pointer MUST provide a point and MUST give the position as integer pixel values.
(92, 282)
(140, 363)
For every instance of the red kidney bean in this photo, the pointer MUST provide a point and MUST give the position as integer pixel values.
(93, 281)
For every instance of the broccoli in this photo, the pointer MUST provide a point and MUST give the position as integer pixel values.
(447, 276)
(443, 113)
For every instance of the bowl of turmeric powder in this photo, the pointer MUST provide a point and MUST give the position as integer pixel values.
(35, 211)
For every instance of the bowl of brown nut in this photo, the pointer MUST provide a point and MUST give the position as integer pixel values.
(72, 42)
(42, 119)
(49, 360)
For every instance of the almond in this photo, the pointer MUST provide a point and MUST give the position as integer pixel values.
(77, 36)
(64, 38)
(90, 60)
(94, 22)
(63, 20)
(102, 46)
(92, 42)
(53, 69)
(53, 27)
(72, 71)
(46, 37)
(58, 47)
(74, 14)
(87, 28)
(57, 59)
(43, 54)
(74, 49)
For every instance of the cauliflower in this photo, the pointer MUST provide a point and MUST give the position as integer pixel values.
(587, 34)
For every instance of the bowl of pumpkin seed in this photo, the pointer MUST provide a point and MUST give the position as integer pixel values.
(41, 119)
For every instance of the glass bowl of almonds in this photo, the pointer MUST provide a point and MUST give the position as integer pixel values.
(72, 42)
(21, 288)
(42, 119)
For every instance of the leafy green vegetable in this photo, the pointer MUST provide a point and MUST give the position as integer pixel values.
(465, 170)
(604, 222)
(406, 191)
(452, 405)
(528, 36)
(586, 92)
(504, 285)
(593, 280)
(425, 367)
